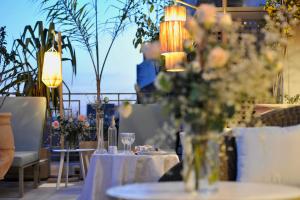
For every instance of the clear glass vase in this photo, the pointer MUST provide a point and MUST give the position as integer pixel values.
(100, 121)
(201, 163)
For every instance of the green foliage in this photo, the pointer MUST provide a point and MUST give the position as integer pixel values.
(286, 13)
(293, 99)
(80, 22)
(148, 19)
(5, 57)
(74, 129)
(24, 75)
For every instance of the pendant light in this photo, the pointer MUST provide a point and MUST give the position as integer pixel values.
(172, 36)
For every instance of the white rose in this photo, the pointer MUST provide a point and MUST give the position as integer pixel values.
(270, 55)
(218, 57)
(206, 14)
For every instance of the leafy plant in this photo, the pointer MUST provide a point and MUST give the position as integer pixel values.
(148, 19)
(292, 99)
(23, 76)
(6, 58)
(285, 15)
(80, 22)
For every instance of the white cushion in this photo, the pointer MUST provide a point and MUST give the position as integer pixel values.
(268, 154)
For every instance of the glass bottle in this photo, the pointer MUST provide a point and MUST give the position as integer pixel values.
(112, 137)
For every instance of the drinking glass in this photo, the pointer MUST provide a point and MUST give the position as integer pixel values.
(124, 141)
(131, 139)
(127, 140)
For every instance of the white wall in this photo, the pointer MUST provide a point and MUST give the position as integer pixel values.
(292, 66)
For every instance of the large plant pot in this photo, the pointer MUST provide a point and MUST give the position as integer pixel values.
(7, 147)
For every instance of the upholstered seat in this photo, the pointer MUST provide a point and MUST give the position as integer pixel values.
(279, 117)
(22, 158)
(28, 118)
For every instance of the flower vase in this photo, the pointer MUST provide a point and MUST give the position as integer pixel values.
(71, 145)
(100, 122)
(201, 163)
(71, 141)
(62, 141)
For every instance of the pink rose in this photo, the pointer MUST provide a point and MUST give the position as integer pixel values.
(81, 118)
(55, 124)
(206, 14)
(218, 57)
(86, 125)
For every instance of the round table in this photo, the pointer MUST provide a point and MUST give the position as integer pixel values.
(107, 170)
(63, 152)
(226, 191)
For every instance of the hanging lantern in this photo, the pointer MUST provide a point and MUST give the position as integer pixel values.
(172, 35)
(175, 13)
(52, 69)
(172, 59)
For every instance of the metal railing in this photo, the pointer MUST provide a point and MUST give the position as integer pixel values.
(78, 101)
(81, 99)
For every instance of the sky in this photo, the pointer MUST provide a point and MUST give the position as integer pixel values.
(120, 71)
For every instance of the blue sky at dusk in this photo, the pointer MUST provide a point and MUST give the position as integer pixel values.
(120, 70)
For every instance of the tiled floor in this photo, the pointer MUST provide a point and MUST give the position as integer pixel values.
(46, 191)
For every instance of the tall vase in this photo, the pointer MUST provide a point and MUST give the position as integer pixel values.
(100, 136)
(201, 163)
(7, 146)
(62, 141)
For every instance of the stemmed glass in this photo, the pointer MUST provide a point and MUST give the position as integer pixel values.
(127, 140)
(131, 139)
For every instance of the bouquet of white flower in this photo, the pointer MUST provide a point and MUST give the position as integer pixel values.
(226, 67)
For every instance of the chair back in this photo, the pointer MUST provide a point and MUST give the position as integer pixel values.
(28, 118)
(282, 117)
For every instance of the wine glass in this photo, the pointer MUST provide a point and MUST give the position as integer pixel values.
(127, 140)
(124, 140)
(131, 139)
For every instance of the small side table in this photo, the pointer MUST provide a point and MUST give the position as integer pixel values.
(66, 152)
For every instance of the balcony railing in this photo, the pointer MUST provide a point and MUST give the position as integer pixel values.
(78, 101)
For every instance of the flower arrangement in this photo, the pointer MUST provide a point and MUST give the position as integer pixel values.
(285, 13)
(73, 129)
(225, 68)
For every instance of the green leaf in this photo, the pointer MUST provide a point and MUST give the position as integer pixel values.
(151, 8)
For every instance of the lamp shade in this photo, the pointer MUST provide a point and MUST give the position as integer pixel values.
(52, 69)
(172, 60)
(172, 35)
(175, 13)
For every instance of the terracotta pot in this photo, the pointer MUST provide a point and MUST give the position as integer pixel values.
(7, 147)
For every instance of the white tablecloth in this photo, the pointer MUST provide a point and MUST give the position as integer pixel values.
(106, 171)
(226, 191)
